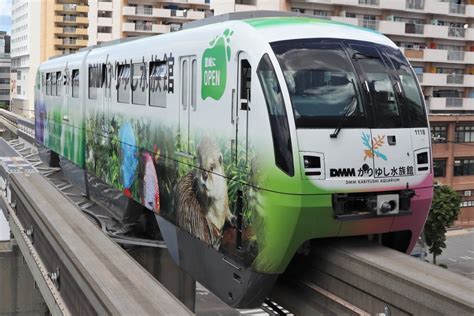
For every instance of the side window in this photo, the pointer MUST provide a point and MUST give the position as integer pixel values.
(194, 84)
(277, 114)
(43, 82)
(59, 85)
(93, 78)
(123, 84)
(53, 84)
(75, 83)
(157, 89)
(139, 74)
(184, 84)
(48, 83)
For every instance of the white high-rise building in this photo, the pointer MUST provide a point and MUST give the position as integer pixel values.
(25, 54)
(115, 19)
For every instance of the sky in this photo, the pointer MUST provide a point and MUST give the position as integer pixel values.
(5, 15)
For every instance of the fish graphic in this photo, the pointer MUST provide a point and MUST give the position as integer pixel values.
(129, 157)
(151, 190)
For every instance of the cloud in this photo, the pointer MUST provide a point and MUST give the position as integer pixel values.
(6, 7)
(5, 15)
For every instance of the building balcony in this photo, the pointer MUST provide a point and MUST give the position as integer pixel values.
(451, 104)
(451, 80)
(143, 28)
(438, 55)
(104, 21)
(71, 19)
(70, 42)
(105, 6)
(137, 11)
(104, 37)
(70, 30)
(71, 8)
(184, 15)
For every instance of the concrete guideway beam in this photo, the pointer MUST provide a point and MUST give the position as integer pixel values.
(407, 284)
(96, 275)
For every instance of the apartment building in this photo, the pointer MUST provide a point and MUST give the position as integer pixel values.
(437, 37)
(114, 19)
(40, 30)
(25, 54)
(66, 23)
(4, 70)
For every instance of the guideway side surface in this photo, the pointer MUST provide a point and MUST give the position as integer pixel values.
(91, 273)
(374, 278)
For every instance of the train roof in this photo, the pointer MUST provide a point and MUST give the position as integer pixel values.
(266, 29)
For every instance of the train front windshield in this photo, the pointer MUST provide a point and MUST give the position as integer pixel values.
(370, 85)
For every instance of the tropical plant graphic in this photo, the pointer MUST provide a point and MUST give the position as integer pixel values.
(373, 146)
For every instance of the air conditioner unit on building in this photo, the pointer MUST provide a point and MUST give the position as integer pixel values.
(467, 193)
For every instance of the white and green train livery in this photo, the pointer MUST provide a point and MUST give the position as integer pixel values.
(248, 138)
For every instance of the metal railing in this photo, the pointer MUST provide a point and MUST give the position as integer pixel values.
(455, 79)
(144, 10)
(420, 77)
(415, 4)
(369, 24)
(411, 28)
(454, 102)
(369, 2)
(143, 27)
(455, 55)
(69, 41)
(70, 7)
(457, 8)
(71, 18)
(69, 29)
(456, 31)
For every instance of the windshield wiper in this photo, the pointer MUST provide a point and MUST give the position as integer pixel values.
(348, 110)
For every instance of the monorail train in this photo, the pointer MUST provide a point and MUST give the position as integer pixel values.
(247, 139)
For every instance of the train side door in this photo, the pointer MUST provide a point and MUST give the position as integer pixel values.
(188, 99)
(243, 108)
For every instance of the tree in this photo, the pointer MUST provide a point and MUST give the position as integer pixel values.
(444, 210)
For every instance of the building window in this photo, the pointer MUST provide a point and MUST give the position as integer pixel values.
(465, 134)
(439, 166)
(464, 166)
(467, 203)
(439, 134)
(75, 83)
(139, 74)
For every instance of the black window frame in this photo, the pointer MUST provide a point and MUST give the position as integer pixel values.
(279, 124)
(463, 130)
(442, 131)
(439, 165)
(463, 166)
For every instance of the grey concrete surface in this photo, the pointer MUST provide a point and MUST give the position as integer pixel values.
(18, 294)
(459, 253)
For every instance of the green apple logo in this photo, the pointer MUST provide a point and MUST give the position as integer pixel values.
(214, 66)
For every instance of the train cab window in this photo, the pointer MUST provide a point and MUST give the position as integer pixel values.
(48, 83)
(377, 80)
(277, 114)
(123, 84)
(158, 81)
(53, 84)
(75, 83)
(412, 96)
(139, 76)
(59, 86)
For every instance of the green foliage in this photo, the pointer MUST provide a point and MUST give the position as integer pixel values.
(444, 210)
